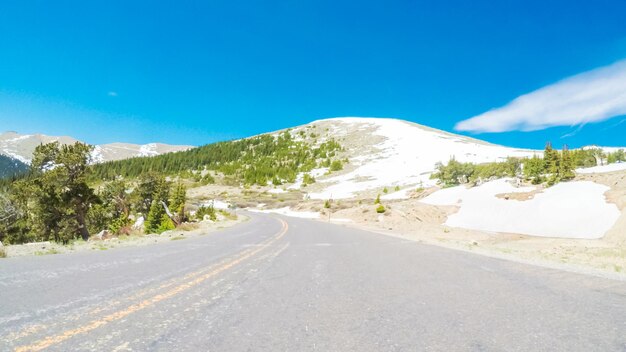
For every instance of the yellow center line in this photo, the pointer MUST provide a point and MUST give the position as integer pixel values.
(27, 331)
(55, 339)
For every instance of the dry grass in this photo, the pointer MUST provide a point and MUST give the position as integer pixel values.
(188, 226)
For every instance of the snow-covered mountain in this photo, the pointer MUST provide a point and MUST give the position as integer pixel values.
(10, 166)
(390, 152)
(21, 147)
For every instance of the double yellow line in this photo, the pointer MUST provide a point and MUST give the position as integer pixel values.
(194, 278)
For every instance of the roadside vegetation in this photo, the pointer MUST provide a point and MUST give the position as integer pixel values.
(62, 197)
(55, 201)
(554, 167)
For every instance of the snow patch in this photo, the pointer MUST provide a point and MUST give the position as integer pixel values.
(288, 212)
(217, 204)
(602, 168)
(567, 210)
(148, 150)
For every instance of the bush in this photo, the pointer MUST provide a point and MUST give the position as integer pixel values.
(165, 225)
(377, 200)
(207, 179)
(308, 179)
(336, 165)
(202, 211)
(327, 204)
(380, 209)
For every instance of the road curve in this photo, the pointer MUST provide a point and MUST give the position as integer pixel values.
(283, 284)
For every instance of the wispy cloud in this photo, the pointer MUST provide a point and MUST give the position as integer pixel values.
(591, 96)
(112, 94)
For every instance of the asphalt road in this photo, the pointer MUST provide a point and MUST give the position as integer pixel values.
(284, 284)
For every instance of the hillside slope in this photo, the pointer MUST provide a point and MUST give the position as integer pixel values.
(21, 147)
(10, 167)
(390, 152)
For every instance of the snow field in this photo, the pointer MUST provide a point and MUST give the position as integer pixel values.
(567, 210)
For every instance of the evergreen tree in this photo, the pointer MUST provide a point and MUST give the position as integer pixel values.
(157, 219)
(59, 195)
(550, 159)
(534, 169)
(177, 203)
(566, 169)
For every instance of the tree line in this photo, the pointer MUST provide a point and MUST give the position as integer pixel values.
(553, 167)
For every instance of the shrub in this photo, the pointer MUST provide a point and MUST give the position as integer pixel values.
(377, 200)
(202, 211)
(308, 179)
(327, 204)
(165, 225)
(336, 165)
(380, 209)
(207, 179)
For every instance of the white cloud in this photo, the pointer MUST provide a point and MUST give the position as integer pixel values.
(591, 96)
(112, 94)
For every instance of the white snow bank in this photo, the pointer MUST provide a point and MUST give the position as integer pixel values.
(149, 149)
(569, 209)
(217, 204)
(407, 156)
(602, 169)
(288, 212)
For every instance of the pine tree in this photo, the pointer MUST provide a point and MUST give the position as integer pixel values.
(566, 166)
(551, 164)
(177, 203)
(550, 159)
(534, 169)
(156, 214)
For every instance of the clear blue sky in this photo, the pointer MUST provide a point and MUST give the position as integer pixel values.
(186, 72)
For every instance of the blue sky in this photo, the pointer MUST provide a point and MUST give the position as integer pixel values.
(186, 72)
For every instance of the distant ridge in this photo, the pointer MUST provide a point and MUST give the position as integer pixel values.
(21, 147)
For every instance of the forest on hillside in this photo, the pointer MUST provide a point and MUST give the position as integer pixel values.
(256, 160)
